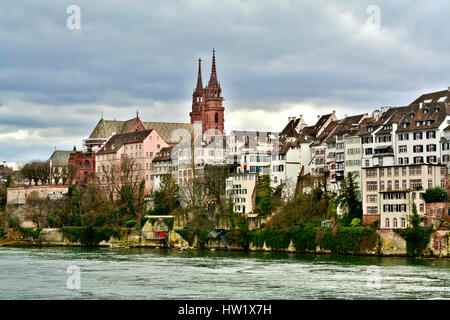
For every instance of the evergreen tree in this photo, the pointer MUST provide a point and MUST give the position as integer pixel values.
(349, 199)
(265, 202)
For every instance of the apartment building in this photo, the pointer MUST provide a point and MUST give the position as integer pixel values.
(286, 164)
(241, 188)
(390, 191)
(162, 165)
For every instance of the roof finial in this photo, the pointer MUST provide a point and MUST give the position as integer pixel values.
(137, 113)
(102, 112)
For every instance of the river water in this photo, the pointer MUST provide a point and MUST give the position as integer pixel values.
(42, 273)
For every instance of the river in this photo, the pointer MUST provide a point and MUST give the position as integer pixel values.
(42, 273)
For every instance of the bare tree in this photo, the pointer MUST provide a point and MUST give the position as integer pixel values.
(124, 180)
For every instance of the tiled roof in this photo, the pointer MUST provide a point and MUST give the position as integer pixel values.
(60, 158)
(170, 132)
(438, 96)
(118, 140)
(430, 116)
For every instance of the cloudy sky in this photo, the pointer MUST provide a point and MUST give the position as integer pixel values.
(275, 59)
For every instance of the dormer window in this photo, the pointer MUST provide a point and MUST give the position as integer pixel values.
(436, 109)
(417, 123)
(370, 129)
(404, 125)
(428, 122)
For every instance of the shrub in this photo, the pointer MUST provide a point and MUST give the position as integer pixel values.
(130, 223)
(435, 195)
(30, 232)
(89, 236)
(304, 237)
(2, 233)
(52, 222)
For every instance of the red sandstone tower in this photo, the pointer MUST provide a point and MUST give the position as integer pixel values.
(207, 102)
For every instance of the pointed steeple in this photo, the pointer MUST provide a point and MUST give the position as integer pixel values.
(213, 83)
(199, 87)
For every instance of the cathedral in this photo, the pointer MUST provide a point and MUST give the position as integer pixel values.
(207, 110)
(207, 102)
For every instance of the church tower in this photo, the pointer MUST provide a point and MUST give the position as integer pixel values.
(213, 114)
(198, 100)
(207, 102)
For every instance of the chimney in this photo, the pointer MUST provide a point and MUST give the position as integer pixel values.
(448, 88)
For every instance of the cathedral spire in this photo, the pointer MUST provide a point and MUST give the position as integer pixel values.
(213, 79)
(199, 77)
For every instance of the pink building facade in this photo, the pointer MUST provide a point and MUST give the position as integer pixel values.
(140, 147)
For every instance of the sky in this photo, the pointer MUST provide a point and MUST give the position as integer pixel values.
(275, 59)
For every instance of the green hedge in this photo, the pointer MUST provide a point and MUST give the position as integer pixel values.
(34, 233)
(130, 223)
(338, 240)
(2, 233)
(89, 236)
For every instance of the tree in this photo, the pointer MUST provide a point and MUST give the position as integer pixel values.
(435, 195)
(265, 203)
(416, 237)
(349, 199)
(125, 181)
(165, 198)
(36, 208)
(36, 171)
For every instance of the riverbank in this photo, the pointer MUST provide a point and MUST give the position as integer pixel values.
(383, 243)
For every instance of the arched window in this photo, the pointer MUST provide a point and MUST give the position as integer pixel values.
(387, 225)
(403, 223)
(395, 223)
(216, 118)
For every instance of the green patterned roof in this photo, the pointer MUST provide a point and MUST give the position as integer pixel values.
(167, 130)
(60, 158)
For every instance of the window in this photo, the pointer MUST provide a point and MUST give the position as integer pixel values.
(158, 146)
(418, 148)
(402, 149)
(431, 134)
(403, 223)
(415, 183)
(431, 147)
(371, 173)
(372, 198)
(395, 223)
(417, 136)
(387, 223)
(372, 210)
(382, 186)
(371, 186)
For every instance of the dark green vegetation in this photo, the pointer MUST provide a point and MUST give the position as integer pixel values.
(339, 240)
(89, 236)
(416, 237)
(435, 195)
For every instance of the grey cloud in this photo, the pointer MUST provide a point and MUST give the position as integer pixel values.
(137, 53)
